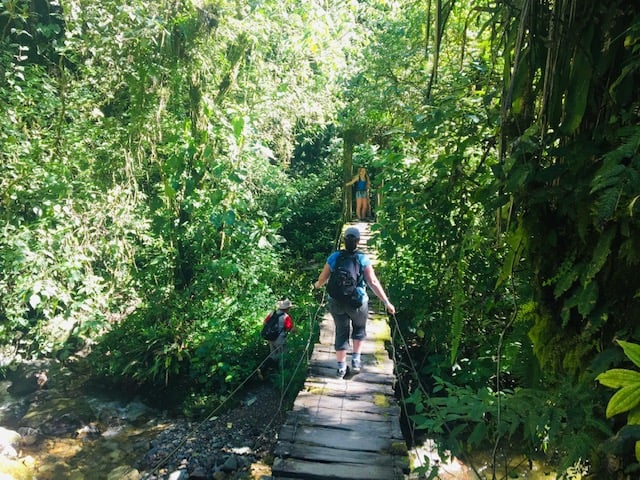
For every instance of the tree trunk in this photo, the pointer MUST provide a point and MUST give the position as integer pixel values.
(347, 173)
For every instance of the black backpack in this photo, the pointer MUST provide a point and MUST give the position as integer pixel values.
(344, 280)
(271, 329)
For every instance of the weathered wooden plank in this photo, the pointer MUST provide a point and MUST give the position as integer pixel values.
(347, 413)
(384, 382)
(345, 428)
(351, 391)
(334, 471)
(356, 421)
(321, 386)
(349, 387)
(325, 346)
(311, 401)
(369, 364)
(321, 415)
(326, 358)
(318, 372)
(330, 437)
(378, 426)
(343, 454)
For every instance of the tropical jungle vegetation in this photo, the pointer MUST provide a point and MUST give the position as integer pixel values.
(171, 168)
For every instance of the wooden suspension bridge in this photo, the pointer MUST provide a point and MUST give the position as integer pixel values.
(345, 428)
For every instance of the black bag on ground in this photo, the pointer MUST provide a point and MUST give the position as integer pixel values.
(271, 329)
(344, 279)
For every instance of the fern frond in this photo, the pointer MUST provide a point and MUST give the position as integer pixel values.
(567, 275)
(629, 252)
(610, 174)
(607, 204)
(629, 138)
(600, 255)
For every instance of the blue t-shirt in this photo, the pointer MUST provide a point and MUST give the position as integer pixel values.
(364, 263)
(361, 185)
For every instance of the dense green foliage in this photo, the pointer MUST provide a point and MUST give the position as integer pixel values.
(146, 189)
(510, 214)
(170, 169)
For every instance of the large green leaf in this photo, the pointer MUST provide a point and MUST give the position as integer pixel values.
(619, 377)
(577, 92)
(623, 400)
(632, 351)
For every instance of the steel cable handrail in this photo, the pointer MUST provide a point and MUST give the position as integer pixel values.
(413, 370)
(305, 354)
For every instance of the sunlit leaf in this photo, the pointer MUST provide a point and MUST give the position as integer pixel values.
(34, 300)
(623, 400)
(618, 377)
(631, 350)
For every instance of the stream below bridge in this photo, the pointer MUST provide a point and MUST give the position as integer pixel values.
(56, 425)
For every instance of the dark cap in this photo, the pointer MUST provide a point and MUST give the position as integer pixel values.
(353, 232)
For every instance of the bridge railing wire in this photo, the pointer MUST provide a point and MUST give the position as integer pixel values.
(303, 359)
(305, 356)
(197, 427)
(398, 337)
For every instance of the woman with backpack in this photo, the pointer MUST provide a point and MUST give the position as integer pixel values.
(345, 274)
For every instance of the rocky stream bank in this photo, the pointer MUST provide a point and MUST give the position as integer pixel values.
(53, 427)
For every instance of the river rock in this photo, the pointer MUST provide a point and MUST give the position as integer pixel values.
(8, 438)
(9, 451)
(90, 430)
(14, 470)
(124, 472)
(136, 412)
(179, 475)
(28, 435)
(230, 464)
(26, 378)
(198, 473)
(57, 416)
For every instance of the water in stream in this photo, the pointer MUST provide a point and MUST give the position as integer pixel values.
(457, 469)
(69, 430)
(72, 430)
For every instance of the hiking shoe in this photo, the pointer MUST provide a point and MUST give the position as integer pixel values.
(356, 365)
(341, 372)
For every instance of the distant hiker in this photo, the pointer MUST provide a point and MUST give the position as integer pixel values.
(363, 183)
(348, 308)
(276, 326)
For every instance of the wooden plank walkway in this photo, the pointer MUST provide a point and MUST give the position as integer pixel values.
(345, 428)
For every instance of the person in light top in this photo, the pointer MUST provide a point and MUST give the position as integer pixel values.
(349, 320)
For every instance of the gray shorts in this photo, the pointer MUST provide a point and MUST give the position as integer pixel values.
(361, 194)
(349, 322)
(278, 346)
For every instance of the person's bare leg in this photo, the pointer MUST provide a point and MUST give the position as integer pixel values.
(341, 359)
(360, 208)
(355, 356)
